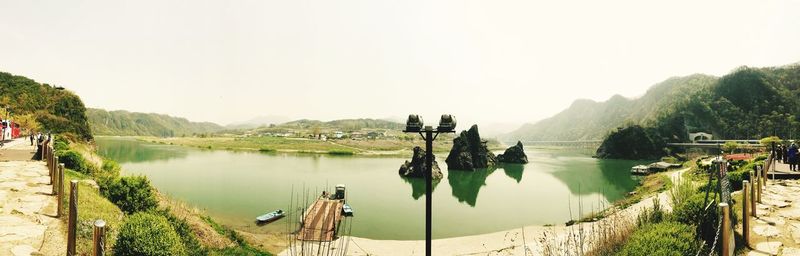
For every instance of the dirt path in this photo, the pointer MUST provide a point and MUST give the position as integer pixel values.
(27, 208)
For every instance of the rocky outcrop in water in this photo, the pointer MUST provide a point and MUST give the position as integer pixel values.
(416, 167)
(469, 152)
(513, 155)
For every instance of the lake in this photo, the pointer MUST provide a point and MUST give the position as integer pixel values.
(234, 186)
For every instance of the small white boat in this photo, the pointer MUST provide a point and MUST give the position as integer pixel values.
(640, 170)
(347, 210)
(269, 217)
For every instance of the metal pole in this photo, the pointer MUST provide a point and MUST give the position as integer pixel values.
(726, 230)
(60, 181)
(745, 212)
(73, 217)
(99, 237)
(428, 186)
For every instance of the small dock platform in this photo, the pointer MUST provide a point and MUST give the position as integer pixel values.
(321, 220)
(782, 171)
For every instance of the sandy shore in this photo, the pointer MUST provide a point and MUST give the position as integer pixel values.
(529, 240)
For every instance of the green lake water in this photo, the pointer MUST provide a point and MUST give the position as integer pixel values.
(235, 187)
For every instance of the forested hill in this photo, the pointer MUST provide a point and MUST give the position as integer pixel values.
(344, 124)
(590, 120)
(54, 109)
(747, 103)
(124, 123)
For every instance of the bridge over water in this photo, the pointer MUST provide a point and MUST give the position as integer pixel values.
(564, 143)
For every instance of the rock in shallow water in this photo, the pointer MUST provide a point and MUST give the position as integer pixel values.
(416, 167)
(469, 152)
(514, 155)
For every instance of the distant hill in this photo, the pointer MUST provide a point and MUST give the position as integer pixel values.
(258, 122)
(748, 103)
(56, 109)
(124, 123)
(343, 124)
(590, 120)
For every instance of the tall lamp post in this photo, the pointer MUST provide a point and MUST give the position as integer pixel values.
(414, 124)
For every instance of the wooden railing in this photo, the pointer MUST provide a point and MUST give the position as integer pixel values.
(56, 171)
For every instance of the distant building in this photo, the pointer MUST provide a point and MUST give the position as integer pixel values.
(698, 136)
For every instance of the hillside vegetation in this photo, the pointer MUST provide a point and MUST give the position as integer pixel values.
(56, 109)
(344, 124)
(748, 103)
(124, 123)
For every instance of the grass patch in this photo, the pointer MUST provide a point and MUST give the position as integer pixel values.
(651, 184)
(91, 206)
(243, 247)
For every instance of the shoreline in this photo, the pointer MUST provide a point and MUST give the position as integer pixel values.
(532, 239)
(355, 151)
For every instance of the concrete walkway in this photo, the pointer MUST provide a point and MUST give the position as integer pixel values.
(776, 229)
(27, 208)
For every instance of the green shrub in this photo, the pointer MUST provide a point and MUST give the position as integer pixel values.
(648, 216)
(60, 145)
(341, 152)
(75, 161)
(132, 194)
(107, 174)
(665, 238)
(184, 231)
(146, 234)
(737, 177)
(693, 212)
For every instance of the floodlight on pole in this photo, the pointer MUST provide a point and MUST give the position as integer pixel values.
(414, 124)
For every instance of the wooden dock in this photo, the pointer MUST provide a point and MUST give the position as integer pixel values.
(321, 220)
(782, 171)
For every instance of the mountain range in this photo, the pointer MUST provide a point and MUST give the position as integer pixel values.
(740, 104)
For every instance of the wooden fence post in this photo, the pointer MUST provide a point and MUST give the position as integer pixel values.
(753, 192)
(73, 217)
(759, 184)
(745, 212)
(769, 165)
(60, 182)
(99, 237)
(53, 174)
(726, 230)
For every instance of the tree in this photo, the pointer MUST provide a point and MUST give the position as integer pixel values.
(28, 123)
(768, 141)
(730, 146)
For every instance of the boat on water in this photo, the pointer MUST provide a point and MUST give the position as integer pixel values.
(269, 217)
(347, 210)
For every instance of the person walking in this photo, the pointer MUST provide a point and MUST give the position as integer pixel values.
(791, 155)
(780, 152)
(31, 137)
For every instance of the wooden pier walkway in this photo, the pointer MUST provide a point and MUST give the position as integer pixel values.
(321, 220)
(781, 171)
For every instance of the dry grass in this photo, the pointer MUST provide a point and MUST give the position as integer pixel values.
(603, 237)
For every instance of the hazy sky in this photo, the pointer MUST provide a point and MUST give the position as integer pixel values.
(484, 61)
